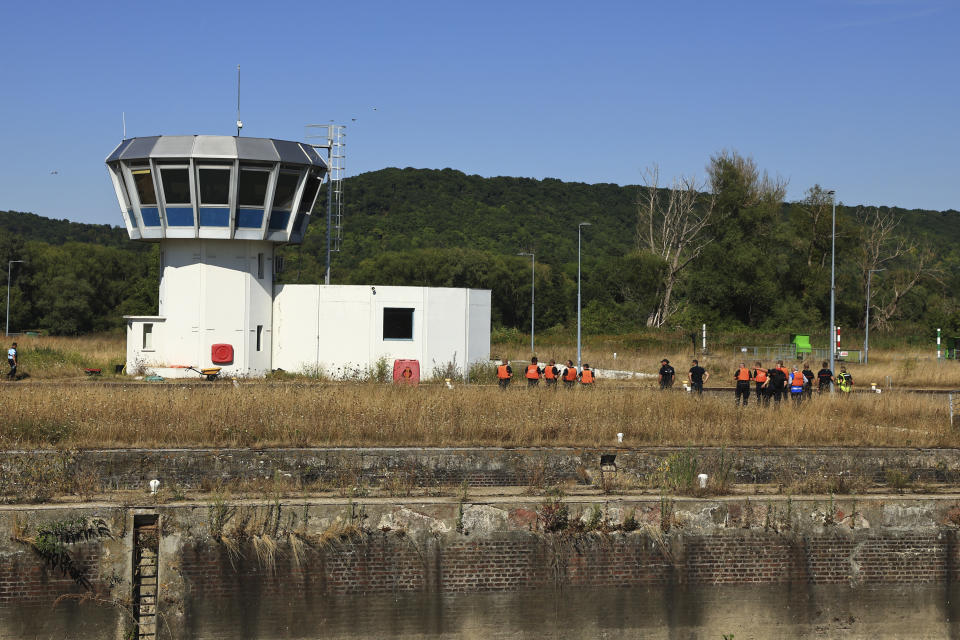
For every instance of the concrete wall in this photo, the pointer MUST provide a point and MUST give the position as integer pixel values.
(339, 328)
(280, 569)
(476, 467)
(210, 293)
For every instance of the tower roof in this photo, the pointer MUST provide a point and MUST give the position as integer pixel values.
(224, 187)
(217, 148)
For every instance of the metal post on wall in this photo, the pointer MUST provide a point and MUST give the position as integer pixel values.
(833, 261)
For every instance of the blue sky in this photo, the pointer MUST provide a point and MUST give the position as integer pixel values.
(862, 96)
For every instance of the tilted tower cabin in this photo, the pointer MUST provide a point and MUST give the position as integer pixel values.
(218, 206)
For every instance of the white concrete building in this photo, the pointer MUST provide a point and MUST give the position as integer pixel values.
(218, 206)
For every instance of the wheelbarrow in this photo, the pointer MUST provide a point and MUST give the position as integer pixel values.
(210, 373)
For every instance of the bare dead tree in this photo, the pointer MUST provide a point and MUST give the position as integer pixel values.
(672, 223)
(816, 205)
(880, 243)
(884, 248)
(903, 282)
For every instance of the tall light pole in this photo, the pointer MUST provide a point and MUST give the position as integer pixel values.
(866, 334)
(833, 289)
(533, 284)
(9, 268)
(579, 227)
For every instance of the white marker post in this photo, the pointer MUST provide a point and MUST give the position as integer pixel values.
(938, 345)
(704, 338)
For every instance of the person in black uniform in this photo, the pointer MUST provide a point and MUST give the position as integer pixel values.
(697, 376)
(824, 378)
(666, 374)
(776, 383)
(807, 381)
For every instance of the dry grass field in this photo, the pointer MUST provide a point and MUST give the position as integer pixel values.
(42, 412)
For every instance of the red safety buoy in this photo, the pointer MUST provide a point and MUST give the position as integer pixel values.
(221, 353)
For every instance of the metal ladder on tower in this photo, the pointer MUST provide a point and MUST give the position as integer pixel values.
(337, 159)
(146, 554)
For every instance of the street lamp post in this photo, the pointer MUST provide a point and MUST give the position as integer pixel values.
(9, 270)
(866, 326)
(533, 284)
(833, 290)
(579, 227)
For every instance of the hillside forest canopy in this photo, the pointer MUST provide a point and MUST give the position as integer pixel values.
(670, 253)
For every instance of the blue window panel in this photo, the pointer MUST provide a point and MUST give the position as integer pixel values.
(151, 216)
(214, 217)
(249, 218)
(279, 220)
(179, 216)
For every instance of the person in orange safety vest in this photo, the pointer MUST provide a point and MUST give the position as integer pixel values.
(504, 373)
(551, 374)
(569, 375)
(742, 377)
(533, 373)
(760, 376)
(586, 376)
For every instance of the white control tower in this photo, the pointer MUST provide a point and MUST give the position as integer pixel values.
(218, 206)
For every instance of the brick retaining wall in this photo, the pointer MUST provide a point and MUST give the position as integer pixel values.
(215, 560)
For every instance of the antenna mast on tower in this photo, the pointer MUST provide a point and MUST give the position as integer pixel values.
(335, 147)
(239, 122)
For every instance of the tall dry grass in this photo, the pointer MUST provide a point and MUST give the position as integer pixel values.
(904, 368)
(252, 414)
(55, 357)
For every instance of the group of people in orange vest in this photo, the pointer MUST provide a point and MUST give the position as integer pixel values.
(778, 383)
(549, 373)
(783, 383)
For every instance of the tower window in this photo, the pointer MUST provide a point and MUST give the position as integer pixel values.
(397, 323)
(143, 180)
(214, 186)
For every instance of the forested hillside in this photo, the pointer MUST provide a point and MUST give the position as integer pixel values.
(763, 263)
(728, 252)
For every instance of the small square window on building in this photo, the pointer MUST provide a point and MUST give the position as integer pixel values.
(148, 335)
(397, 323)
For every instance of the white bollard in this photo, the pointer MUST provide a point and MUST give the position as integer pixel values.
(620, 438)
(154, 486)
(703, 480)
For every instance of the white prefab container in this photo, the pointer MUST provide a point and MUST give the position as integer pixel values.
(343, 330)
